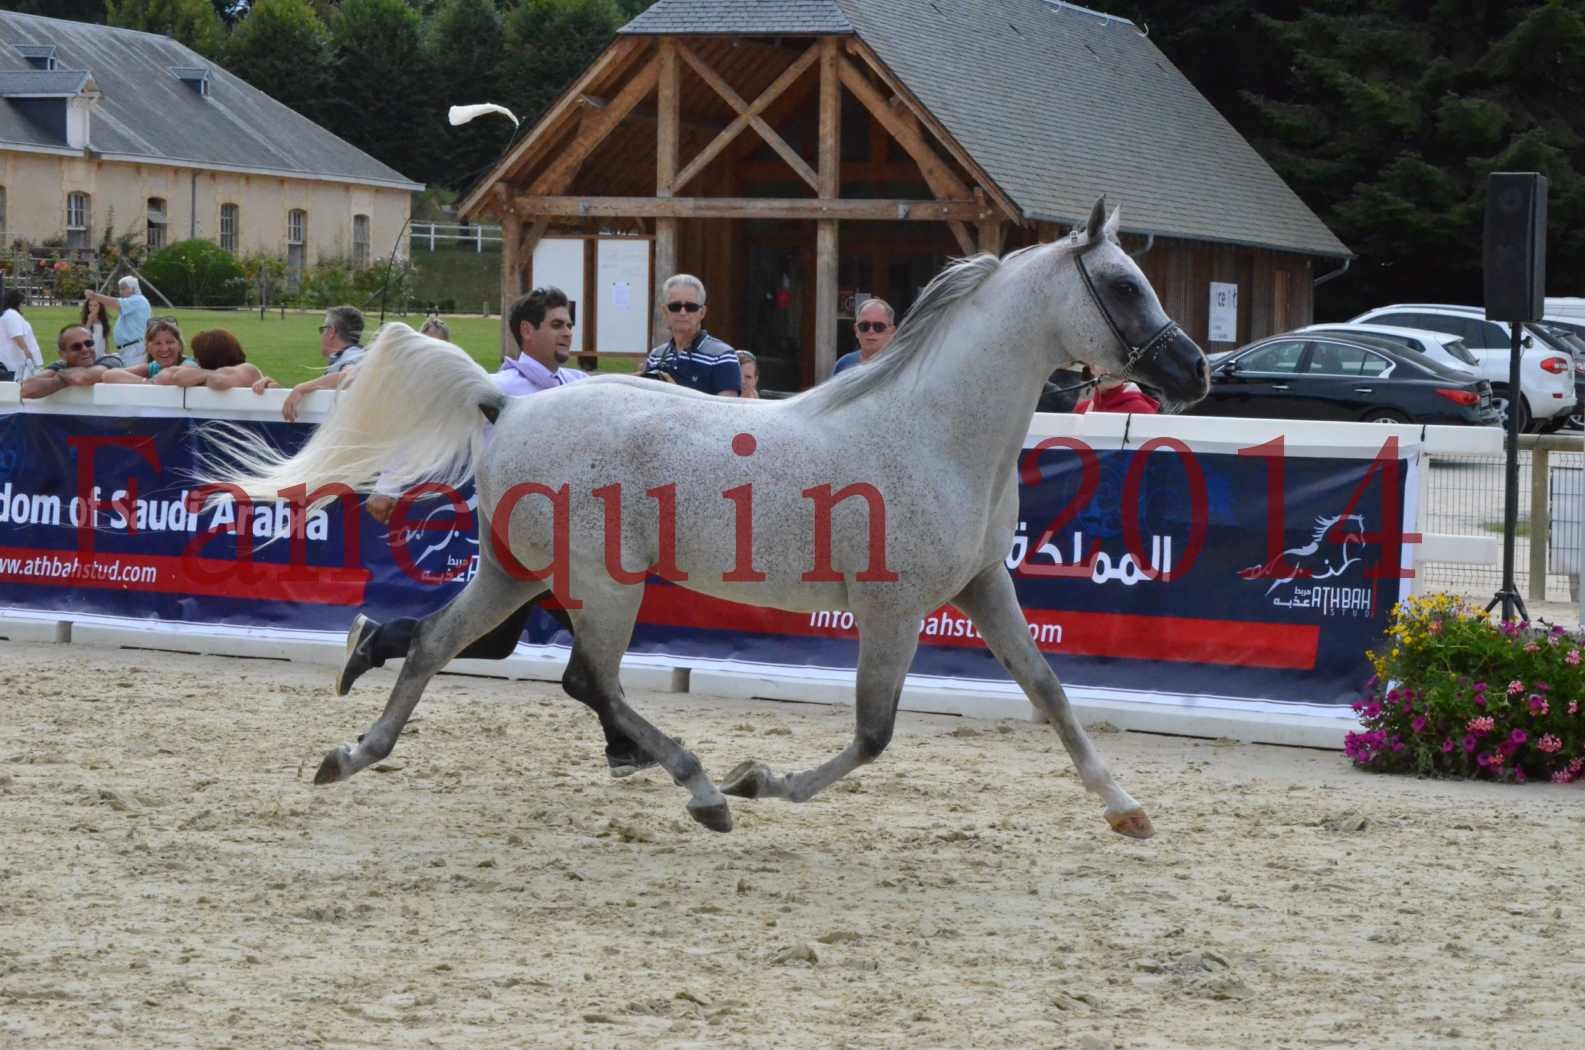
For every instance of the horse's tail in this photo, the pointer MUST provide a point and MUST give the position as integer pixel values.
(414, 411)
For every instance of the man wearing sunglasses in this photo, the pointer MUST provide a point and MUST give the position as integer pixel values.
(874, 325)
(693, 357)
(78, 366)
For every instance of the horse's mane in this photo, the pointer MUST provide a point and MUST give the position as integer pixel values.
(917, 336)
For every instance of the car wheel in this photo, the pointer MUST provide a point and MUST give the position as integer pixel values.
(1499, 401)
(1384, 416)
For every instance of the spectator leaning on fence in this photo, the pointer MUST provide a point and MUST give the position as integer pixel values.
(78, 365)
(19, 353)
(167, 355)
(132, 319)
(694, 357)
(339, 341)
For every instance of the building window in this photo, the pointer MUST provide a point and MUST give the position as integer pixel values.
(155, 239)
(296, 245)
(79, 215)
(360, 240)
(228, 227)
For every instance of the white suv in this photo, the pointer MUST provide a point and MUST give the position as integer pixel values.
(1546, 371)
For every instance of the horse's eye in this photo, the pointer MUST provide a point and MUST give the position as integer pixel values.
(1127, 288)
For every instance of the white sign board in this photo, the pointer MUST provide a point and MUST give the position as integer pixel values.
(621, 323)
(558, 262)
(1224, 313)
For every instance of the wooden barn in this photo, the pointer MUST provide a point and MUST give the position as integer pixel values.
(798, 155)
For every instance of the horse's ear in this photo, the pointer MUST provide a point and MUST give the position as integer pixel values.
(1096, 227)
(1109, 229)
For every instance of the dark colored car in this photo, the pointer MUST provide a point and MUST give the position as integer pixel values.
(1358, 378)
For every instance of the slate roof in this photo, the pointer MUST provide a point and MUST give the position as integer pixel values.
(1058, 105)
(741, 18)
(37, 83)
(147, 114)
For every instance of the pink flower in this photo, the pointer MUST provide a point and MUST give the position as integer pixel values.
(1538, 704)
(1481, 725)
(1550, 744)
(1484, 760)
(1518, 775)
(1518, 736)
(1572, 659)
(1470, 742)
(1531, 647)
(1515, 687)
(1447, 746)
(1573, 707)
(1418, 723)
(1561, 777)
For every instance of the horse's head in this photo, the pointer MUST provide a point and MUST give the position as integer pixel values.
(1116, 324)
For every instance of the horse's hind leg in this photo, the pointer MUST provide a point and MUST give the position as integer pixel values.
(601, 632)
(989, 600)
(886, 650)
(486, 601)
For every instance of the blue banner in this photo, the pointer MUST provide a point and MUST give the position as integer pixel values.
(1227, 573)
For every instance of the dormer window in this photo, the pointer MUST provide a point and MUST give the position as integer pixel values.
(38, 56)
(195, 77)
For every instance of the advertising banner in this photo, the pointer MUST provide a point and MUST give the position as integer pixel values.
(1161, 566)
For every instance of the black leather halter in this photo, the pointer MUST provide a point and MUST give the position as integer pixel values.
(1150, 348)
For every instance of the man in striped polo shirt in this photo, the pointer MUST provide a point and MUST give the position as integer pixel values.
(693, 357)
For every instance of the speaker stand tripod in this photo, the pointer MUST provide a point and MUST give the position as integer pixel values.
(1512, 604)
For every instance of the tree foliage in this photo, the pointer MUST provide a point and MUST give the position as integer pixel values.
(192, 22)
(1386, 119)
(382, 87)
(283, 49)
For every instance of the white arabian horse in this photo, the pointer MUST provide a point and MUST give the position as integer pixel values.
(928, 435)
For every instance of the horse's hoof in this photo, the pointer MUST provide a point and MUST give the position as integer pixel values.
(747, 780)
(1133, 823)
(331, 769)
(716, 816)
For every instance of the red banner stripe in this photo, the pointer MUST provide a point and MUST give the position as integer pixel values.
(1169, 639)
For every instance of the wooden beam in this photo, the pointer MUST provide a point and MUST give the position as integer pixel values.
(829, 189)
(665, 266)
(615, 56)
(747, 116)
(940, 178)
(596, 126)
(847, 209)
(857, 47)
(511, 230)
(766, 132)
(992, 234)
(667, 126)
(825, 298)
(830, 121)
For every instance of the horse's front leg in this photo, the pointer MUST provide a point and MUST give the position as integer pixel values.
(886, 649)
(487, 600)
(990, 601)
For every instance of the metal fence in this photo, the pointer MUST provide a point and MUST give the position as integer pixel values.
(1464, 496)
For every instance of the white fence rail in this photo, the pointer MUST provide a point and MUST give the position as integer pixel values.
(432, 235)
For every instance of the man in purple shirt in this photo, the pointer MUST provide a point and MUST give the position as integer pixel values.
(541, 324)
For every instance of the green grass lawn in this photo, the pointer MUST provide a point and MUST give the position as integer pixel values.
(287, 349)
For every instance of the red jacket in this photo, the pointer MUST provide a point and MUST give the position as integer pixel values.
(1126, 398)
